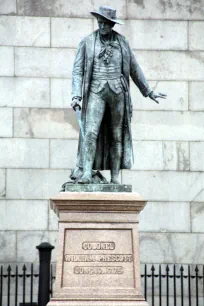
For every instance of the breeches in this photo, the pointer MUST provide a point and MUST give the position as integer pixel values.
(97, 104)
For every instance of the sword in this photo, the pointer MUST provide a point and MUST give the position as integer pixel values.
(78, 114)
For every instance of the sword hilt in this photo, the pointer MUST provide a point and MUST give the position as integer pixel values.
(78, 107)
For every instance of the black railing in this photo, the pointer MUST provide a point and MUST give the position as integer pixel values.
(17, 286)
(163, 285)
(173, 285)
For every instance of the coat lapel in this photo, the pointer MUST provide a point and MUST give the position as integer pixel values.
(125, 57)
(90, 48)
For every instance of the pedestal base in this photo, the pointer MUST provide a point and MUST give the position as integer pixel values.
(98, 249)
(97, 303)
(97, 188)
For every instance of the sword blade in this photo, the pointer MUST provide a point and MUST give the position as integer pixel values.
(78, 114)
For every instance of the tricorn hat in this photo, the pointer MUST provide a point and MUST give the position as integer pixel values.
(108, 13)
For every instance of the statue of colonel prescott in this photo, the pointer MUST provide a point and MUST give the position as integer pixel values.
(103, 64)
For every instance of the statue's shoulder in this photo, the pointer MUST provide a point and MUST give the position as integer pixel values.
(121, 37)
(89, 38)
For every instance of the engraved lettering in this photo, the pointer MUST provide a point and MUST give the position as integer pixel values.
(98, 270)
(98, 258)
(101, 245)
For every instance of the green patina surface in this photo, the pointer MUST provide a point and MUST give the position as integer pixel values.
(97, 188)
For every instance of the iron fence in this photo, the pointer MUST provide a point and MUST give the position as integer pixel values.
(173, 285)
(163, 285)
(17, 286)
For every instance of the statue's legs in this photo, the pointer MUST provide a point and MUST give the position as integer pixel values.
(95, 111)
(116, 104)
(94, 116)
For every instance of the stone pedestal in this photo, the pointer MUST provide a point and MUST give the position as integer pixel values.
(98, 249)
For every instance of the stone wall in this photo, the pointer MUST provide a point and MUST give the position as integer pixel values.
(38, 130)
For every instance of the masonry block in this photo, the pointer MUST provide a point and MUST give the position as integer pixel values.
(6, 61)
(166, 185)
(183, 248)
(176, 155)
(196, 94)
(8, 7)
(24, 31)
(161, 125)
(68, 32)
(2, 183)
(148, 155)
(23, 215)
(196, 37)
(35, 183)
(61, 90)
(167, 35)
(172, 9)
(66, 8)
(24, 153)
(53, 220)
(146, 125)
(27, 242)
(63, 153)
(177, 96)
(156, 34)
(44, 62)
(170, 216)
(7, 246)
(197, 215)
(45, 123)
(172, 65)
(6, 122)
(197, 156)
(24, 92)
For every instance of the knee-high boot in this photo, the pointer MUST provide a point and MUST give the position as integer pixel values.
(88, 160)
(116, 155)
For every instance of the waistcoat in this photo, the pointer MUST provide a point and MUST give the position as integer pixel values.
(103, 72)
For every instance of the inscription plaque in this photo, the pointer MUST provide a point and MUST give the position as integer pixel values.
(98, 245)
(97, 258)
(104, 251)
(98, 270)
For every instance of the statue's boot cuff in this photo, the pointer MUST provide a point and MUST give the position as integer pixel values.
(114, 181)
(85, 179)
(76, 173)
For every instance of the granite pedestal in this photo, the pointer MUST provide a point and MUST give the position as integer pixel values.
(98, 249)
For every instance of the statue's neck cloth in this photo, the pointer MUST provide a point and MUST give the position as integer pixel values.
(107, 48)
(107, 59)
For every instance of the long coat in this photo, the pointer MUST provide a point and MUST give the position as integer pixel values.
(81, 80)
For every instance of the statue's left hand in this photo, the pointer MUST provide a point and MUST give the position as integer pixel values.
(154, 96)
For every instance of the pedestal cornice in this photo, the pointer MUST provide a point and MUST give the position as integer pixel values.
(98, 201)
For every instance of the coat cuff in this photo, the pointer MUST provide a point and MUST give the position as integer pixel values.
(76, 96)
(80, 98)
(146, 91)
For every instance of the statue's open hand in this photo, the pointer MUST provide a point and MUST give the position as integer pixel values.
(75, 103)
(154, 96)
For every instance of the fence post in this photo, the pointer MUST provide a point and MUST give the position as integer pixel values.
(45, 250)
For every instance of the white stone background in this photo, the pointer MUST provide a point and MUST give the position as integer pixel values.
(39, 131)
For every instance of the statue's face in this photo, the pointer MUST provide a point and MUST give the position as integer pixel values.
(105, 26)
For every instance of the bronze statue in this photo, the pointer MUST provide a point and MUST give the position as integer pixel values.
(103, 64)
